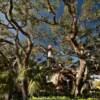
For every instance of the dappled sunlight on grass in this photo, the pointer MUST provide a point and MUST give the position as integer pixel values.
(61, 98)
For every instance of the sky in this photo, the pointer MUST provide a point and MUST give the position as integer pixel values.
(59, 12)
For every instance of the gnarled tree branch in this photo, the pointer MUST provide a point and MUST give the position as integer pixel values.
(29, 47)
(6, 41)
(76, 46)
(52, 11)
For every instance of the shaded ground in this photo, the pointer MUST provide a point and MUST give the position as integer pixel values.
(95, 95)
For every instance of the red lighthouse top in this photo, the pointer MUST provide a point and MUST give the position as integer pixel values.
(49, 46)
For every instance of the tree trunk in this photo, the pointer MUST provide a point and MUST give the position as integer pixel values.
(24, 94)
(79, 76)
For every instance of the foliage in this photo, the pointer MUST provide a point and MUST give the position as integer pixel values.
(26, 29)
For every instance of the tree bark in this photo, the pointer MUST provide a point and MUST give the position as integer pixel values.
(25, 62)
(79, 76)
(78, 50)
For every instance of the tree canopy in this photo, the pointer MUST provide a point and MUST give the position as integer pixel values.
(27, 27)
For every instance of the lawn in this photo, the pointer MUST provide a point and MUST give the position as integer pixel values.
(62, 98)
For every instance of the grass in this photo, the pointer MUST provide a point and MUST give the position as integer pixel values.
(61, 98)
(92, 96)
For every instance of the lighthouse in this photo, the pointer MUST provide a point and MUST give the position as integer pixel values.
(49, 55)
